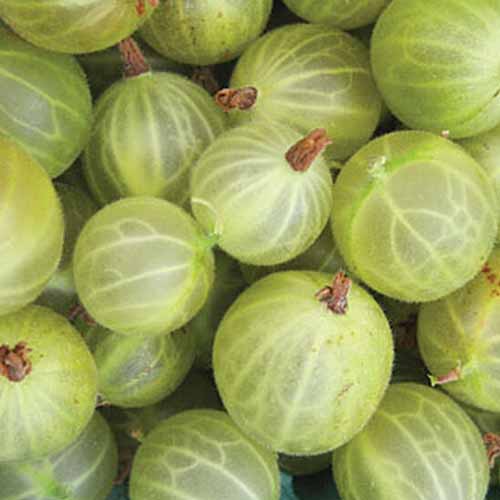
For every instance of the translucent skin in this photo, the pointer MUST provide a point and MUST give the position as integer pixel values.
(436, 64)
(311, 76)
(414, 216)
(142, 266)
(83, 471)
(485, 148)
(53, 404)
(419, 445)
(462, 330)
(202, 454)
(74, 26)
(148, 132)
(289, 370)
(267, 212)
(31, 228)
(139, 371)
(339, 13)
(201, 33)
(45, 102)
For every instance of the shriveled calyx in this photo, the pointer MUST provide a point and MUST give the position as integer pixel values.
(15, 364)
(302, 154)
(452, 376)
(140, 6)
(134, 62)
(492, 442)
(242, 99)
(336, 296)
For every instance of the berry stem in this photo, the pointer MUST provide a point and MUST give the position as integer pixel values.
(302, 154)
(492, 442)
(336, 295)
(452, 376)
(134, 62)
(204, 76)
(14, 363)
(78, 311)
(242, 99)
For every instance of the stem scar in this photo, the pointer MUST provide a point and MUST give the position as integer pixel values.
(302, 154)
(336, 295)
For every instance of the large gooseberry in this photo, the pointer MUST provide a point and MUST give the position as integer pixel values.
(419, 444)
(436, 64)
(202, 33)
(202, 454)
(45, 102)
(31, 228)
(459, 339)
(308, 76)
(339, 13)
(148, 131)
(287, 361)
(75, 26)
(414, 216)
(269, 199)
(48, 384)
(143, 266)
(83, 471)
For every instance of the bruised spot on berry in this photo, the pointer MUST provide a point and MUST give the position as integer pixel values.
(15, 364)
(242, 99)
(336, 295)
(492, 442)
(302, 154)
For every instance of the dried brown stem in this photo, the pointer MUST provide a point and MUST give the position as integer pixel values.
(452, 376)
(336, 296)
(133, 59)
(492, 442)
(140, 6)
(242, 99)
(78, 311)
(302, 154)
(14, 363)
(205, 78)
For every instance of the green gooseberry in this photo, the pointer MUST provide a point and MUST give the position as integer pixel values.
(485, 148)
(31, 228)
(136, 371)
(202, 454)
(419, 444)
(142, 266)
(75, 26)
(264, 190)
(48, 384)
(60, 294)
(339, 13)
(286, 361)
(83, 471)
(149, 130)
(459, 339)
(202, 33)
(435, 64)
(45, 102)
(307, 76)
(414, 216)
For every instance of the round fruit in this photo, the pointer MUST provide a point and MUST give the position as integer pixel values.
(45, 102)
(83, 471)
(48, 384)
(419, 444)
(485, 148)
(75, 26)
(202, 33)
(60, 293)
(286, 361)
(139, 371)
(459, 339)
(142, 266)
(148, 132)
(435, 64)
(414, 216)
(310, 76)
(228, 284)
(199, 452)
(31, 228)
(339, 13)
(269, 199)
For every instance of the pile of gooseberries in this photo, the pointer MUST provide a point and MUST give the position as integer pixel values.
(245, 241)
